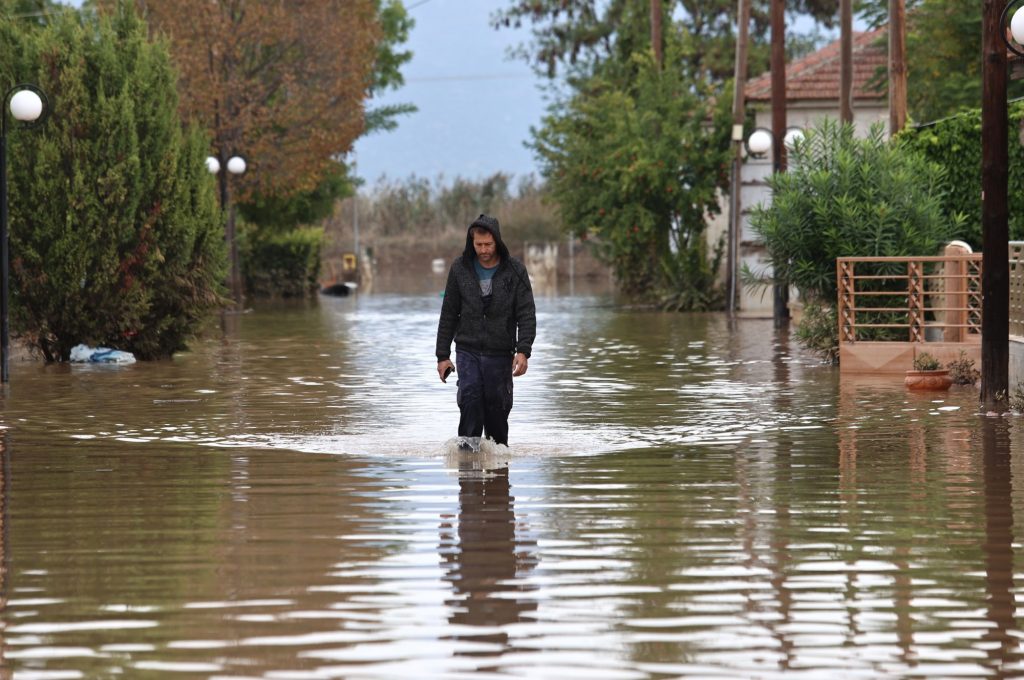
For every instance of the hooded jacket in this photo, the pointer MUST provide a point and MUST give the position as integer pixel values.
(508, 324)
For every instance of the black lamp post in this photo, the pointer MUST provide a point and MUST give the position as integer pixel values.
(235, 166)
(28, 105)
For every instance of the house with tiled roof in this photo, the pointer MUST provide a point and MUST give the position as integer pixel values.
(812, 94)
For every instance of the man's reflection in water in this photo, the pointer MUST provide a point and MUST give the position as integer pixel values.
(485, 562)
(1001, 640)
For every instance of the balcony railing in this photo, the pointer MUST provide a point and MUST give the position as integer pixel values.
(913, 299)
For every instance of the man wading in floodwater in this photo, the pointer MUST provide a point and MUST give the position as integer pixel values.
(488, 310)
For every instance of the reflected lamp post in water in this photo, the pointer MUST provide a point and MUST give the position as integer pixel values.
(27, 104)
(236, 166)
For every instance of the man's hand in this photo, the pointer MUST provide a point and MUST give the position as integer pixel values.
(519, 364)
(442, 367)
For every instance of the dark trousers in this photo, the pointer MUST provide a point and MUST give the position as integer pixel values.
(485, 395)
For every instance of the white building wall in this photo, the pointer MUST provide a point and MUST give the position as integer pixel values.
(754, 190)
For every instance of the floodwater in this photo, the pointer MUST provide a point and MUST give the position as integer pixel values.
(684, 496)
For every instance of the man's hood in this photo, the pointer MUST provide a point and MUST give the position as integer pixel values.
(491, 225)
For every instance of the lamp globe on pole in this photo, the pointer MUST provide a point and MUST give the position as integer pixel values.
(212, 165)
(27, 105)
(236, 165)
(759, 142)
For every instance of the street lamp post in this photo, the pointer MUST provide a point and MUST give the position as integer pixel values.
(236, 166)
(27, 104)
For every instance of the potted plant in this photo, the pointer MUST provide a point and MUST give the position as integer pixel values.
(928, 374)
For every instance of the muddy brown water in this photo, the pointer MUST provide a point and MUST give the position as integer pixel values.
(684, 496)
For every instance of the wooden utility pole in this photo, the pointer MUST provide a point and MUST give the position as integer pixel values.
(897, 65)
(995, 273)
(780, 307)
(738, 117)
(846, 61)
(656, 41)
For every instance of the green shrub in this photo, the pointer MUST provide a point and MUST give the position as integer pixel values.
(955, 144)
(282, 264)
(818, 331)
(962, 370)
(116, 237)
(926, 362)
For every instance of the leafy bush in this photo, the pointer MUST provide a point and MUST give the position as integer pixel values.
(849, 196)
(962, 370)
(926, 362)
(818, 331)
(116, 237)
(282, 264)
(955, 144)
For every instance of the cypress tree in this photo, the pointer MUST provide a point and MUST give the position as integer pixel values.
(113, 220)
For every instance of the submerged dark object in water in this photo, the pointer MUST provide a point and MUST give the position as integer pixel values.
(468, 444)
(338, 289)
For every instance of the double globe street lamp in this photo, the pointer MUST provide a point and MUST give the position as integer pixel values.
(236, 166)
(28, 105)
(760, 140)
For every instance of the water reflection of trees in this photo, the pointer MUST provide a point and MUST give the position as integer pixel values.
(485, 555)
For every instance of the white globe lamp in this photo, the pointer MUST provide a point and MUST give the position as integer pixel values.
(26, 106)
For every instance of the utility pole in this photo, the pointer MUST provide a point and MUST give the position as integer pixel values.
(995, 266)
(897, 66)
(846, 61)
(780, 292)
(738, 116)
(656, 41)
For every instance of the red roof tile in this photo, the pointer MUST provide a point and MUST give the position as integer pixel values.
(816, 76)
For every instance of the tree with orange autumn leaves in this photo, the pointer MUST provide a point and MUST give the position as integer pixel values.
(282, 84)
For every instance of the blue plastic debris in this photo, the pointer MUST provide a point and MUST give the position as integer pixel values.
(81, 354)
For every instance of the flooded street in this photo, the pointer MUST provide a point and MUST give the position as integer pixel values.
(685, 496)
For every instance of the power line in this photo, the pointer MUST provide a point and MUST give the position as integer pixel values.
(416, 4)
(483, 76)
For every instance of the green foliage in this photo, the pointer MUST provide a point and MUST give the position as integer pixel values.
(284, 213)
(926, 362)
(818, 331)
(962, 370)
(395, 24)
(943, 47)
(689, 280)
(637, 167)
(115, 233)
(955, 144)
(282, 264)
(589, 37)
(849, 196)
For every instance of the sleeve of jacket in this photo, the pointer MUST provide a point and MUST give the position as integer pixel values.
(451, 310)
(526, 314)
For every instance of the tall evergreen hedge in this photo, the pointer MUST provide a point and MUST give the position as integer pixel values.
(116, 236)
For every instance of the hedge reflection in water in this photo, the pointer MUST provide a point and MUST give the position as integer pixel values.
(684, 495)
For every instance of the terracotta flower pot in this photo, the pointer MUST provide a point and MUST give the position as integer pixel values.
(928, 380)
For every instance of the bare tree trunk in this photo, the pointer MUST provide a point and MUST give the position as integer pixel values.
(846, 61)
(656, 41)
(897, 66)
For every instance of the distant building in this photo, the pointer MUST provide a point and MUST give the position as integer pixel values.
(812, 94)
